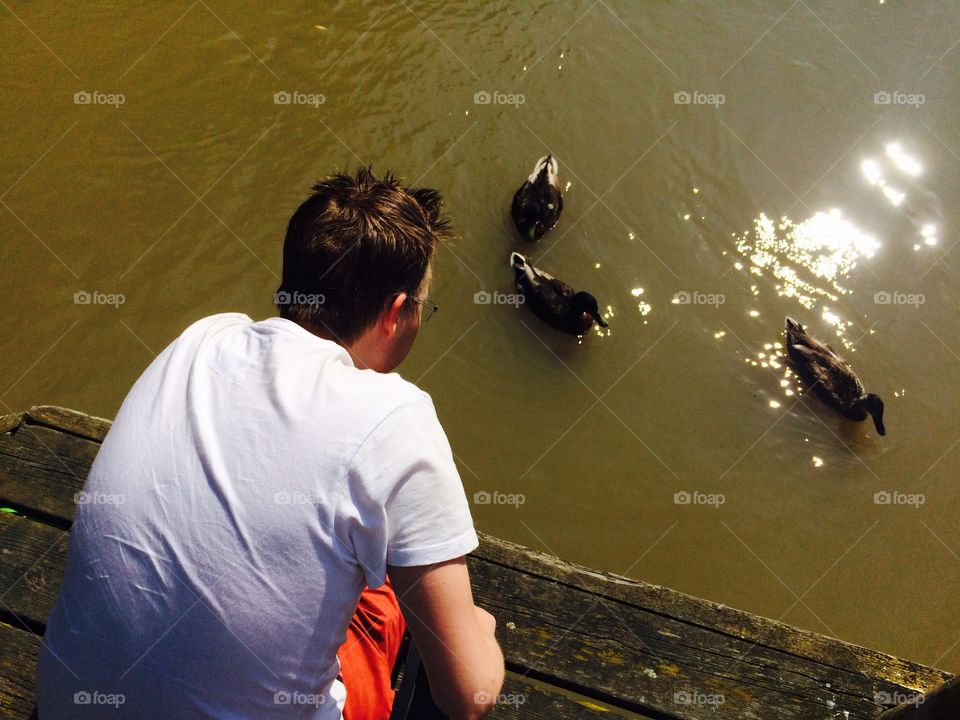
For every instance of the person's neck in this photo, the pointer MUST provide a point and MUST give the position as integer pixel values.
(364, 353)
(362, 357)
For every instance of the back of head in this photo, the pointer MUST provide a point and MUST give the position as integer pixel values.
(873, 404)
(351, 247)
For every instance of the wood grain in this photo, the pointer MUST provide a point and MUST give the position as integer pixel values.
(19, 651)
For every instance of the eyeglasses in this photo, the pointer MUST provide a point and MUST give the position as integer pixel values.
(429, 308)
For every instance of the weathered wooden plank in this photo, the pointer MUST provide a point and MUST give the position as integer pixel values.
(602, 637)
(32, 561)
(638, 660)
(19, 651)
(938, 704)
(696, 611)
(42, 469)
(521, 700)
(11, 421)
(71, 421)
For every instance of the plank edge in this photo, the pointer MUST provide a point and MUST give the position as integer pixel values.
(89, 427)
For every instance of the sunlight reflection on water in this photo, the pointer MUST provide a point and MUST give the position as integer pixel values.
(899, 161)
(809, 261)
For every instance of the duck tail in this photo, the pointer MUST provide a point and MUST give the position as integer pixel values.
(521, 266)
(554, 168)
(546, 169)
(793, 325)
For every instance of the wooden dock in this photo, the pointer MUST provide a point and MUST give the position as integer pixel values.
(578, 643)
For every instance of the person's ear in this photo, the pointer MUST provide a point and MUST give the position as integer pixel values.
(390, 318)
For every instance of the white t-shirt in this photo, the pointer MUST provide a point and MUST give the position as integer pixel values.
(253, 482)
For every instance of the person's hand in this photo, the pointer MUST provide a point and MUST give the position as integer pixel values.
(487, 621)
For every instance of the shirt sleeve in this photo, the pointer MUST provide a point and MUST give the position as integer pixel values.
(406, 495)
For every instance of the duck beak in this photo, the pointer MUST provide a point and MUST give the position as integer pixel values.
(532, 233)
(878, 421)
(602, 323)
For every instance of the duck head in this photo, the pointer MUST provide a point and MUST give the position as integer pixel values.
(583, 303)
(874, 405)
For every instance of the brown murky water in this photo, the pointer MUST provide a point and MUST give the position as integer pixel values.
(723, 166)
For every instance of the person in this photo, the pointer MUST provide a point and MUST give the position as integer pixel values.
(273, 505)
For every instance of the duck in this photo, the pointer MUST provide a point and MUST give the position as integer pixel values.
(537, 204)
(553, 301)
(831, 376)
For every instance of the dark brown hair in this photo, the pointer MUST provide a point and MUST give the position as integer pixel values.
(352, 246)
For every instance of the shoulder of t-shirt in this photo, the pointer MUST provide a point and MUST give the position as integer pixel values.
(198, 331)
(215, 322)
(394, 395)
(390, 396)
(399, 405)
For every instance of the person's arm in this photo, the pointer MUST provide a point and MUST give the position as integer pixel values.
(455, 638)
